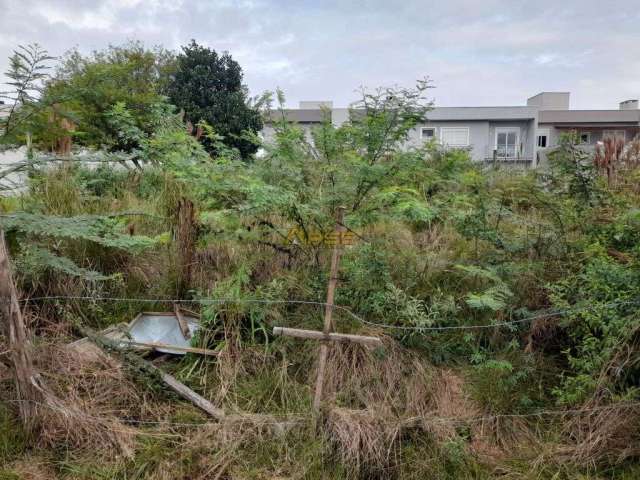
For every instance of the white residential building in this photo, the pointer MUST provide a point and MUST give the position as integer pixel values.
(518, 135)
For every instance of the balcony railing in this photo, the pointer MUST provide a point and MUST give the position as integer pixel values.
(521, 162)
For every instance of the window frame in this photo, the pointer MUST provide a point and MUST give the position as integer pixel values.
(543, 132)
(443, 130)
(433, 133)
(588, 134)
(508, 130)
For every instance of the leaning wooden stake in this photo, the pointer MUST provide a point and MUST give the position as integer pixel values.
(19, 345)
(278, 425)
(328, 311)
(104, 343)
(188, 394)
(182, 322)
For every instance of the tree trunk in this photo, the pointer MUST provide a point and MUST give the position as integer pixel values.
(18, 341)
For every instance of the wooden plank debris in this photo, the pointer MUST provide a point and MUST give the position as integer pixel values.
(278, 426)
(332, 336)
(182, 322)
(118, 333)
(188, 394)
(85, 347)
(158, 346)
(104, 343)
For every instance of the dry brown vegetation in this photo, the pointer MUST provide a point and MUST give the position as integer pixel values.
(441, 244)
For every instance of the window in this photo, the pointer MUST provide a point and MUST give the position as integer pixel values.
(617, 134)
(585, 138)
(427, 133)
(507, 140)
(543, 137)
(455, 136)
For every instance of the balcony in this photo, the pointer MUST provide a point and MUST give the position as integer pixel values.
(515, 162)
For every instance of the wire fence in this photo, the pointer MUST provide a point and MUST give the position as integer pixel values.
(341, 308)
(302, 417)
(297, 418)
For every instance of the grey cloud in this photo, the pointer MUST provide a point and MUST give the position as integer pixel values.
(477, 53)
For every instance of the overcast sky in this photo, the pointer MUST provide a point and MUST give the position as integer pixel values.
(488, 52)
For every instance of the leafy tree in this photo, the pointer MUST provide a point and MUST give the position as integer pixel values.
(27, 72)
(359, 165)
(111, 98)
(574, 173)
(208, 87)
(37, 102)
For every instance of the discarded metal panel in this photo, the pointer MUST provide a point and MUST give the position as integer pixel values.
(162, 328)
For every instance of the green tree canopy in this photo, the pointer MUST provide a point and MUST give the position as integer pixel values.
(208, 87)
(112, 97)
(27, 75)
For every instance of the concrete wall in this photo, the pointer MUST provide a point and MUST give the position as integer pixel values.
(8, 158)
(478, 135)
(268, 133)
(554, 135)
(339, 116)
(482, 113)
(585, 117)
(315, 104)
(550, 101)
(596, 133)
(629, 104)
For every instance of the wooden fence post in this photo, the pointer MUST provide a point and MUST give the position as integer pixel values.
(19, 345)
(328, 311)
(328, 335)
(186, 243)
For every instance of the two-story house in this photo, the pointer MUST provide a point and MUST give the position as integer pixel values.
(513, 135)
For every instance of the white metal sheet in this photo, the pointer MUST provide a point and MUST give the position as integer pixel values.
(162, 328)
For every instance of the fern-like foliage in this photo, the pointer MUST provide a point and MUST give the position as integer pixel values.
(485, 274)
(102, 230)
(494, 298)
(495, 295)
(34, 261)
(26, 74)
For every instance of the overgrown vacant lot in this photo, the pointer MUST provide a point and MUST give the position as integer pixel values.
(450, 247)
(506, 303)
